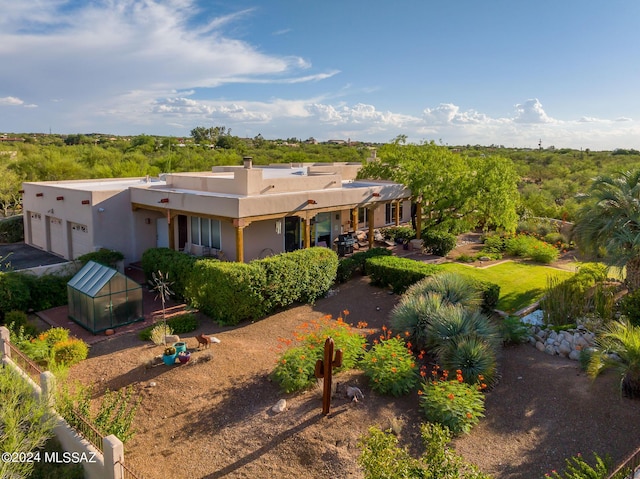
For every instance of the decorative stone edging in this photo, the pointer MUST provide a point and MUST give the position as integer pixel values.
(566, 344)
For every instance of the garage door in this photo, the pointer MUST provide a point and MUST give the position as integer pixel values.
(56, 237)
(37, 230)
(80, 243)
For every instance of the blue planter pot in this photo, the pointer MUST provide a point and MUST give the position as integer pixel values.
(169, 360)
(180, 347)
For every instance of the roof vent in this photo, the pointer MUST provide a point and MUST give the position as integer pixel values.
(248, 162)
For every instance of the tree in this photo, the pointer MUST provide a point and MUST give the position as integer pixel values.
(609, 223)
(25, 424)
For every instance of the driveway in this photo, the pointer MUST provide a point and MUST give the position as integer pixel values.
(17, 256)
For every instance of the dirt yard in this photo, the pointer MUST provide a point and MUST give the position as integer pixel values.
(212, 417)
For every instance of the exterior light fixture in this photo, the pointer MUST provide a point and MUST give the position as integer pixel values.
(100, 210)
(59, 198)
(164, 200)
(312, 202)
(278, 227)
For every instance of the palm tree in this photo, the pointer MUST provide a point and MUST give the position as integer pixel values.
(610, 222)
(619, 348)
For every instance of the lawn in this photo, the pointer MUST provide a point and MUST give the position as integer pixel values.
(520, 284)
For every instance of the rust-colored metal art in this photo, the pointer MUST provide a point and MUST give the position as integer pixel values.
(324, 370)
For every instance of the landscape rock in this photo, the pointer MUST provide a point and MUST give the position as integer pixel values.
(280, 406)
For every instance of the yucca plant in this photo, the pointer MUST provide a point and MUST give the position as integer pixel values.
(413, 314)
(619, 349)
(472, 355)
(452, 287)
(451, 321)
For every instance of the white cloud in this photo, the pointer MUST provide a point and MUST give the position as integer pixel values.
(10, 101)
(531, 112)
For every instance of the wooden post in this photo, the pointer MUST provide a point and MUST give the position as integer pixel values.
(397, 215)
(239, 226)
(419, 219)
(370, 217)
(170, 227)
(324, 370)
(307, 233)
(354, 219)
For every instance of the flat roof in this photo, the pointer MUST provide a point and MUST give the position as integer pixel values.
(99, 184)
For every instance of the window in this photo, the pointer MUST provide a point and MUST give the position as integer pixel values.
(205, 232)
(390, 212)
(362, 215)
(79, 227)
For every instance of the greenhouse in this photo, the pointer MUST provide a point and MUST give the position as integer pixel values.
(101, 298)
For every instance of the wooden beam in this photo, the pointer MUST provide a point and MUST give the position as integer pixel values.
(354, 219)
(239, 243)
(419, 219)
(306, 225)
(370, 217)
(397, 215)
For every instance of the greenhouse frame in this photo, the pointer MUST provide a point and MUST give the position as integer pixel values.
(102, 298)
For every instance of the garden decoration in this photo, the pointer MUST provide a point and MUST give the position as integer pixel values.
(324, 370)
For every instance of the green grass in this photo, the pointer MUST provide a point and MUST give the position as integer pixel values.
(520, 284)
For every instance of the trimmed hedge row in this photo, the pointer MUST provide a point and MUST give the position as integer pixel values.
(232, 292)
(437, 242)
(347, 267)
(399, 273)
(11, 229)
(20, 292)
(176, 265)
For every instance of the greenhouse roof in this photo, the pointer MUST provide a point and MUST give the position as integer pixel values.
(92, 278)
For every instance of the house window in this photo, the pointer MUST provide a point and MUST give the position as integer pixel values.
(362, 215)
(205, 232)
(78, 227)
(36, 216)
(390, 212)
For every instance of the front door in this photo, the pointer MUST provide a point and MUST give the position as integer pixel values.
(162, 233)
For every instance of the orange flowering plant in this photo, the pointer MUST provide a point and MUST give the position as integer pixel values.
(390, 365)
(452, 402)
(295, 366)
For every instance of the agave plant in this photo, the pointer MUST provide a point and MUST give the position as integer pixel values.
(452, 321)
(619, 348)
(413, 314)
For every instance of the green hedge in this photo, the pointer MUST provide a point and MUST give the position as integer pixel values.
(176, 265)
(227, 292)
(303, 275)
(490, 295)
(12, 229)
(103, 256)
(20, 292)
(399, 273)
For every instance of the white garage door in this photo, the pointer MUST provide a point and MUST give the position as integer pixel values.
(80, 243)
(37, 230)
(57, 239)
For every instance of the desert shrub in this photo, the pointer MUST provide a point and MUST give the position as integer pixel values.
(56, 335)
(295, 368)
(70, 351)
(381, 457)
(390, 367)
(156, 333)
(452, 402)
(12, 229)
(577, 468)
(106, 257)
(183, 323)
(399, 273)
(513, 331)
(438, 242)
(585, 358)
(115, 414)
(544, 253)
(361, 257)
(490, 295)
(413, 314)
(629, 306)
(346, 269)
(176, 267)
(14, 292)
(17, 323)
(494, 243)
(227, 292)
(563, 301)
(401, 234)
(554, 238)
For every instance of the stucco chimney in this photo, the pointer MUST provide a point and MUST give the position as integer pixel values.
(248, 162)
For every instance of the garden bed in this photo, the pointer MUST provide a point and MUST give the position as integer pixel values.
(212, 417)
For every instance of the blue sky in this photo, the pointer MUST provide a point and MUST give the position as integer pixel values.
(458, 71)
